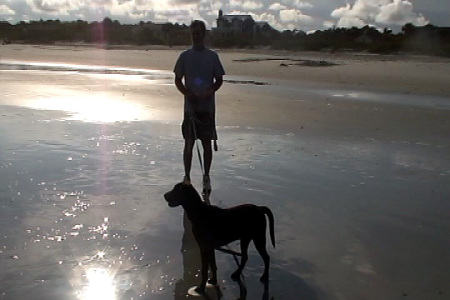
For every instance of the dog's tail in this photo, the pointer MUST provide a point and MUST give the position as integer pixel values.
(269, 214)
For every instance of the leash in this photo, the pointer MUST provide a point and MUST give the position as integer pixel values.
(191, 116)
(206, 198)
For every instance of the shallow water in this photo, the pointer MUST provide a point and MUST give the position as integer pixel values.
(82, 214)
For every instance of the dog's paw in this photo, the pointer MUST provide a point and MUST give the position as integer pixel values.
(264, 278)
(235, 276)
(212, 281)
(200, 290)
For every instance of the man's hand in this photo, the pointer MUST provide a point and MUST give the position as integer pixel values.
(210, 92)
(191, 96)
(206, 94)
(184, 90)
(195, 96)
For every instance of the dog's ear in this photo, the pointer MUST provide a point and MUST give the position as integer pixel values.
(178, 186)
(185, 187)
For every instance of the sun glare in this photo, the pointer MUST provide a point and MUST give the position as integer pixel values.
(105, 110)
(102, 108)
(100, 285)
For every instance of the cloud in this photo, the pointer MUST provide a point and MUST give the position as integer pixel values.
(6, 11)
(399, 13)
(299, 4)
(281, 14)
(296, 3)
(277, 6)
(127, 8)
(328, 24)
(97, 2)
(294, 15)
(184, 2)
(361, 9)
(124, 10)
(92, 10)
(349, 21)
(269, 18)
(383, 12)
(341, 11)
(245, 5)
(49, 6)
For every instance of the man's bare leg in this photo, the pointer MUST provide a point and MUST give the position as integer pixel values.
(207, 155)
(187, 159)
(207, 158)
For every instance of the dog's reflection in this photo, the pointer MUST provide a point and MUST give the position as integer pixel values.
(191, 265)
(191, 272)
(243, 291)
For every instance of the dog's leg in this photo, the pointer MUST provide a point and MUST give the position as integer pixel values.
(260, 245)
(244, 247)
(204, 253)
(213, 266)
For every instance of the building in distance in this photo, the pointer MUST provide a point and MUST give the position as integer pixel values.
(241, 25)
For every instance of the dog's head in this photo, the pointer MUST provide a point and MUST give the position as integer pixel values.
(179, 194)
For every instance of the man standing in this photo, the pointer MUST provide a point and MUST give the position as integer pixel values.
(203, 76)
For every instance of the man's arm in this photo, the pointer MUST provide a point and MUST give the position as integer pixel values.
(217, 84)
(182, 88)
(218, 81)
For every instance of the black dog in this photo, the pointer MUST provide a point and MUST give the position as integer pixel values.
(214, 227)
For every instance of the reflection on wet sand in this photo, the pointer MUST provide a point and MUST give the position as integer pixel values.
(64, 67)
(243, 291)
(100, 285)
(346, 182)
(80, 104)
(101, 107)
(191, 264)
(84, 92)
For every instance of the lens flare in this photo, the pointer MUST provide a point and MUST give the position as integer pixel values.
(100, 285)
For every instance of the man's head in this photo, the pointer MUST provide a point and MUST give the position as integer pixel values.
(198, 33)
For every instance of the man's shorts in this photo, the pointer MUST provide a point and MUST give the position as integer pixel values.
(205, 126)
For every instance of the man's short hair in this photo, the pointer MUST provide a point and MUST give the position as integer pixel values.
(198, 23)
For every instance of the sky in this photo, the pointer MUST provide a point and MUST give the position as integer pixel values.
(305, 15)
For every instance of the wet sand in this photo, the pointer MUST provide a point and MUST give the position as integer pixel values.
(353, 159)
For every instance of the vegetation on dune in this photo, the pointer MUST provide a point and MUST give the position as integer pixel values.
(426, 39)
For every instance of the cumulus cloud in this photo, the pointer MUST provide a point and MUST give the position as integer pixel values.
(281, 14)
(49, 5)
(293, 15)
(93, 10)
(185, 2)
(269, 18)
(245, 5)
(277, 6)
(126, 8)
(399, 13)
(384, 12)
(349, 21)
(297, 3)
(328, 24)
(6, 11)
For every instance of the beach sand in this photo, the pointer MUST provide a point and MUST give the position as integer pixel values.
(353, 159)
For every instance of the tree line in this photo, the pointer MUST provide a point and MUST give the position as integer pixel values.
(428, 39)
